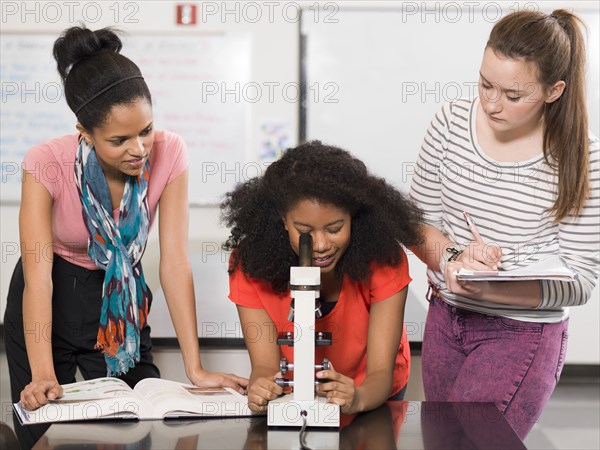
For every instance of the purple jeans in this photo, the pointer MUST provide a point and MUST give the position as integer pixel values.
(473, 357)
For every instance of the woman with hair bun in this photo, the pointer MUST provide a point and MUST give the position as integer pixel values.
(526, 169)
(92, 197)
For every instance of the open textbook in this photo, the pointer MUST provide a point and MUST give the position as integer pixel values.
(551, 268)
(152, 398)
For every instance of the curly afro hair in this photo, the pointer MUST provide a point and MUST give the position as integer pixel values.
(383, 219)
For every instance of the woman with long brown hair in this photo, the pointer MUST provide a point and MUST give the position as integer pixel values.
(518, 159)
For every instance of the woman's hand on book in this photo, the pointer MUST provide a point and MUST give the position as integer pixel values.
(203, 378)
(40, 392)
(262, 391)
(476, 290)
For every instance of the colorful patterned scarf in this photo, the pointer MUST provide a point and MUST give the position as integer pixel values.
(116, 248)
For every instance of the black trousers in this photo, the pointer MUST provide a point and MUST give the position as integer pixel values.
(76, 304)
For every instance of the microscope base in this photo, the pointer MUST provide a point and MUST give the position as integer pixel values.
(287, 412)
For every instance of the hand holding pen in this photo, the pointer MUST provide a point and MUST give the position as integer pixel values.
(480, 256)
(477, 256)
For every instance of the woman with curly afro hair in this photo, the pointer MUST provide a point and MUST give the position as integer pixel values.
(358, 224)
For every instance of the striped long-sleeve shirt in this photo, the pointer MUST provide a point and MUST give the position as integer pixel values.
(510, 202)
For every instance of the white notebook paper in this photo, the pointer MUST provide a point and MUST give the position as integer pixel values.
(552, 268)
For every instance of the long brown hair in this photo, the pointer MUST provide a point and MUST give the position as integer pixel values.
(554, 43)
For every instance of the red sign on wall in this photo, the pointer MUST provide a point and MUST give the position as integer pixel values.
(186, 14)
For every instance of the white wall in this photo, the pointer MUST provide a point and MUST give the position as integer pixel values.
(275, 59)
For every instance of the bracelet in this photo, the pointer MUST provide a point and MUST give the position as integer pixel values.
(450, 254)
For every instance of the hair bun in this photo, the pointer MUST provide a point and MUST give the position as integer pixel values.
(78, 43)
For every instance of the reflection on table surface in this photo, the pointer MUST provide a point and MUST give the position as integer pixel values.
(395, 425)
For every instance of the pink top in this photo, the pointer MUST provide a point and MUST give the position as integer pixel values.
(51, 163)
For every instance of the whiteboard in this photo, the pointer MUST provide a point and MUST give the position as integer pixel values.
(387, 72)
(188, 77)
(216, 315)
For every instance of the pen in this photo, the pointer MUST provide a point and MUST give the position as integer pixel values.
(473, 228)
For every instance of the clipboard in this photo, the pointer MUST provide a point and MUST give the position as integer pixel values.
(551, 268)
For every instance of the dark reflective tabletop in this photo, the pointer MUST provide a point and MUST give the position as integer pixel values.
(395, 425)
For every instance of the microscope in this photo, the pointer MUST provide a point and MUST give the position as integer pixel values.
(303, 407)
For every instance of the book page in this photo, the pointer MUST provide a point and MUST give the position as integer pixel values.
(173, 399)
(93, 399)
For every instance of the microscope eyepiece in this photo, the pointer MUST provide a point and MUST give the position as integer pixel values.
(306, 245)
